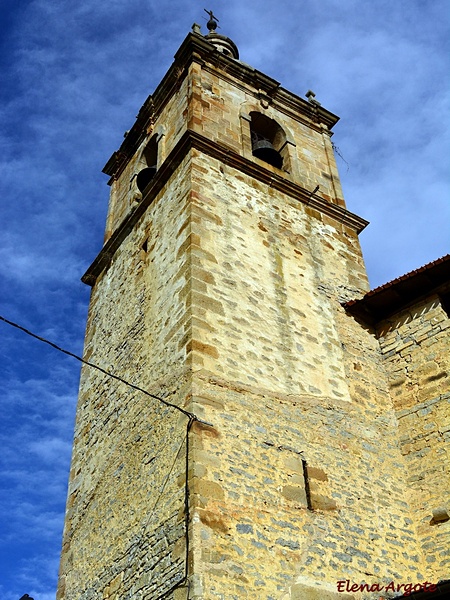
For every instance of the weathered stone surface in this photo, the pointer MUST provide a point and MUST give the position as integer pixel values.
(295, 493)
(416, 346)
(224, 298)
(304, 592)
(315, 473)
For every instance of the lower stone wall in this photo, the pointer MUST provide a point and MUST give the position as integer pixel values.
(301, 591)
(415, 344)
(424, 436)
(124, 533)
(124, 536)
(291, 487)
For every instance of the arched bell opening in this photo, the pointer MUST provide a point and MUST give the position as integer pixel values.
(263, 149)
(144, 177)
(148, 164)
(268, 140)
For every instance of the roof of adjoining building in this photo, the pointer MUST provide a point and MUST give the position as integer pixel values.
(391, 297)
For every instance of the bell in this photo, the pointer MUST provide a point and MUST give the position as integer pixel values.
(144, 177)
(264, 150)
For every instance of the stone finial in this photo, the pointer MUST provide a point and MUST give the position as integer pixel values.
(222, 43)
(196, 29)
(312, 97)
(212, 24)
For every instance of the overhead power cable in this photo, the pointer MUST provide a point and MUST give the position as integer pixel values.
(191, 416)
(184, 581)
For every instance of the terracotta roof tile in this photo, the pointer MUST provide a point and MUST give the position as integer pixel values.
(398, 293)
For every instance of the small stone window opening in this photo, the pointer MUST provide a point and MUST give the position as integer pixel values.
(268, 141)
(142, 255)
(307, 488)
(317, 488)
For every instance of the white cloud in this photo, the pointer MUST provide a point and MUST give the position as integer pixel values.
(76, 76)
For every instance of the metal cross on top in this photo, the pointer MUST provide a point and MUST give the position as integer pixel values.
(212, 23)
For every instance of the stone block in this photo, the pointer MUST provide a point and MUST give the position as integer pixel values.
(213, 520)
(305, 592)
(321, 502)
(197, 346)
(207, 489)
(296, 494)
(315, 473)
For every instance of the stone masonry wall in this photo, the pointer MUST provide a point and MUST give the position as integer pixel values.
(226, 299)
(219, 109)
(287, 489)
(170, 125)
(125, 524)
(275, 274)
(415, 344)
(294, 389)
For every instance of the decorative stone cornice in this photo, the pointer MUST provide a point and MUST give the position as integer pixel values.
(231, 158)
(197, 48)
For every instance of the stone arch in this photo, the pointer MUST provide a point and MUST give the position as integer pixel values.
(257, 125)
(268, 140)
(147, 164)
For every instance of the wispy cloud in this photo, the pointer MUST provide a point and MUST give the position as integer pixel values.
(75, 76)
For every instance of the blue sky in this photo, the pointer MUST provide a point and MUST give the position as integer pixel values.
(73, 77)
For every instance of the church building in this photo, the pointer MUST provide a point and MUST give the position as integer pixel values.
(261, 424)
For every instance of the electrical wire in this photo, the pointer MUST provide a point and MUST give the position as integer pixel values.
(191, 416)
(167, 478)
(185, 581)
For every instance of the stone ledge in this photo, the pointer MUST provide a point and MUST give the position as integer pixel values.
(188, 141)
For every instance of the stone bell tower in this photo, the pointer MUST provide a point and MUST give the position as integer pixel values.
(253, 458)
